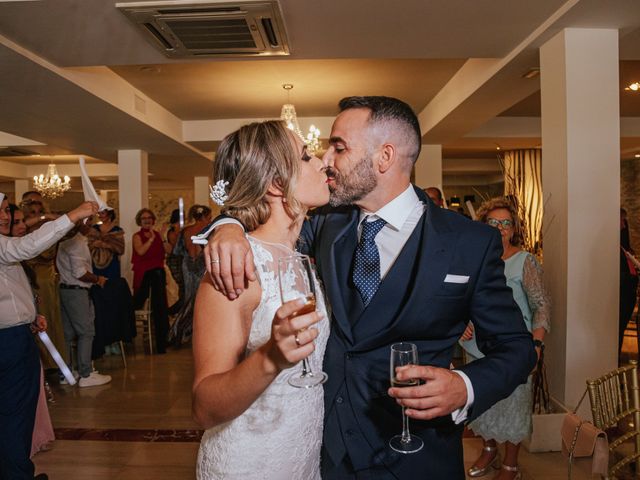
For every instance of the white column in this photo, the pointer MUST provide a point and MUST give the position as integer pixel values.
(20, 186)
(581, 186)
(201, 190)
(428, 169)
(133, 194)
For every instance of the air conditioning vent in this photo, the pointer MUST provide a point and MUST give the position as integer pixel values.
(191, 28)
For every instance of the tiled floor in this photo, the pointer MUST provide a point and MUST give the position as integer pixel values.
(123, 430)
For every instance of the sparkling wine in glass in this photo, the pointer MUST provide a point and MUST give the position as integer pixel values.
(404, 354)
(295, 277)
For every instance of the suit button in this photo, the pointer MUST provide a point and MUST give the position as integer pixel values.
(349, 356)
(339, 400)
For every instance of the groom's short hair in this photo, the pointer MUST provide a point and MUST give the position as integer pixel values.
(389, 110)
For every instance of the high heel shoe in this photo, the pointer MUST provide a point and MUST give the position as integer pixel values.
(509, 468)
(49, 393)
(475, 471)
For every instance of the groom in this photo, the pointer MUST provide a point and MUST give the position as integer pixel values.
(396, 268)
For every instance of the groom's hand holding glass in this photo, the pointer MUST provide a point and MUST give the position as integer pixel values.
(291, 338)
(441, 392)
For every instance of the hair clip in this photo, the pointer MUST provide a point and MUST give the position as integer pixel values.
(218, 193)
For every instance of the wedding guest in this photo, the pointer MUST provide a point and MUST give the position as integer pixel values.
(114, 315)
(148, 274)
(509, 421)
(46, 278)
(258, 426)
(628, 281)
(148, 250)
(19, 360)
(43, 434)
(435, 195)
(174, 259)
(19, 229)
(192, 269)
(76, 278)
(33, 207)
(18, 226)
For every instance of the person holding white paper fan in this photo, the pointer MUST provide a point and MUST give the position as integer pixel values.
(19, 359)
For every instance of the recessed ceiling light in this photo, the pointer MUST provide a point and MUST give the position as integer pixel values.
(635, 86)
(637, 155)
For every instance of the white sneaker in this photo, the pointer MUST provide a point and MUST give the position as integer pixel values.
(94, 379)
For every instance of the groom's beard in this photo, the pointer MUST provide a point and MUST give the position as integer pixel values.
(348, 188)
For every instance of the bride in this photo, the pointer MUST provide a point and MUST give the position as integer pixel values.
(244, 350)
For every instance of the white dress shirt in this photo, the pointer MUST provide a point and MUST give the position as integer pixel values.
(16, 298)
(401, 215)
(74, 260)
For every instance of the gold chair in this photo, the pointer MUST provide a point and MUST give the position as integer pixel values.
(615, 406)
(143, 318)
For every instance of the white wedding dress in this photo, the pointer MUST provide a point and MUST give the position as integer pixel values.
(280, 434)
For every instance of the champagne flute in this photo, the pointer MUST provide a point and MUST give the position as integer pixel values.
(296, 280)
(404, 354)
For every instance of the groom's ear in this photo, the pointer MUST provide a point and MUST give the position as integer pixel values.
(388, 156)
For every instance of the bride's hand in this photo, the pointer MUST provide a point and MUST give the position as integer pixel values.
(291, 338)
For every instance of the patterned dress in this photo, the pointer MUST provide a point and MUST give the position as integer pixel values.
(509, 420)
(280, 434)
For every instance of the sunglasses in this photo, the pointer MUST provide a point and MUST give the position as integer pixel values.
(506, 223)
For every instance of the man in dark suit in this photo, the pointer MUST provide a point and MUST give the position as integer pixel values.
(396, 268)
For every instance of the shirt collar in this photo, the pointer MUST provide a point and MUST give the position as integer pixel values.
(396, 212)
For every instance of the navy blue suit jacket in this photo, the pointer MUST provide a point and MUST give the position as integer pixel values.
(414, 304)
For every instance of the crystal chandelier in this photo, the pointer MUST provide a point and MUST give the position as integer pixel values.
(51, 185)
(288, 114)
(313, 139)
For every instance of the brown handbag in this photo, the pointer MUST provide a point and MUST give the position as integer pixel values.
(583, 439)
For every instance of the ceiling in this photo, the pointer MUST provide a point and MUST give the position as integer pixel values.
(79, 78)
(232, 89)
(629, 100)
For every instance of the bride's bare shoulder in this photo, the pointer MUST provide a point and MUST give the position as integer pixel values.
(214, 303)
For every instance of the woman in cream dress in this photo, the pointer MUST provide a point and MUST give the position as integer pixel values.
(259, 426)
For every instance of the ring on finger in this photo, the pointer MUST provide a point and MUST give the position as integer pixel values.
(214, 261)
(297, 340)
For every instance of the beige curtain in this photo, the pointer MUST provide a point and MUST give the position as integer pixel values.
(523, 180)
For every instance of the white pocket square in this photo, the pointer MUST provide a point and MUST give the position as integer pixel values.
(456, 278)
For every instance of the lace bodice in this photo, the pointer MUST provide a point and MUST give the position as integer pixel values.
(280, 435)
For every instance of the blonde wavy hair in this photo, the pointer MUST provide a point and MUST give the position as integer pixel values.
(508, 204)
(251, 159)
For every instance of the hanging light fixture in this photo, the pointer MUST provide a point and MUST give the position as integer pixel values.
(51, 185)
(288, 114)
(313, 139)
(634, 87)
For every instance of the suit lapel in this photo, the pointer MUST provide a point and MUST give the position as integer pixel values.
(340, 258)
